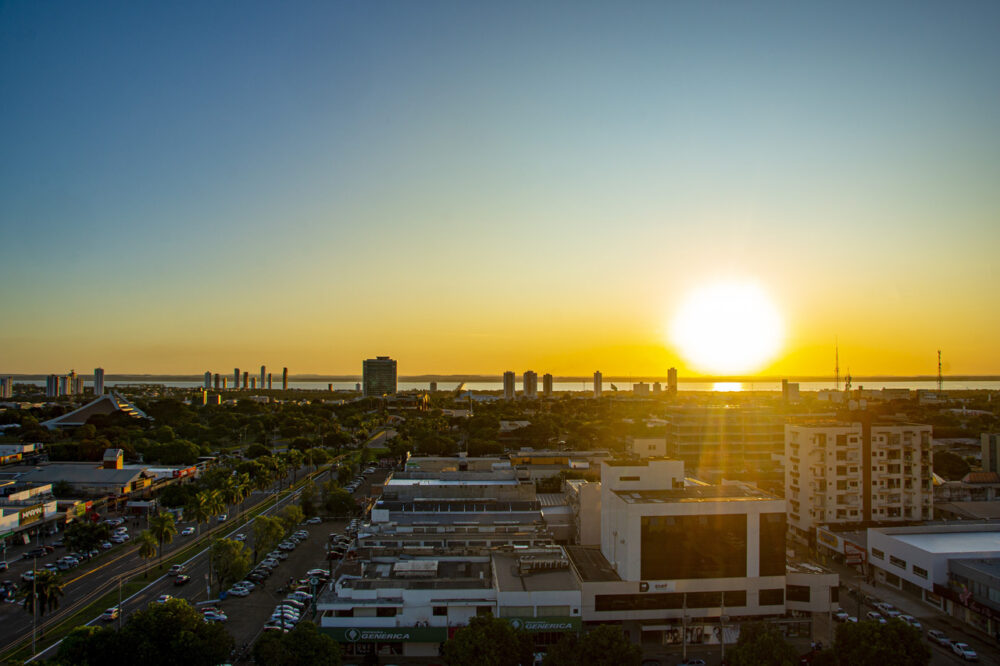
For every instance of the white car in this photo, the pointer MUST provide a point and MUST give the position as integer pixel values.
(245, 583)
(841, 616)
(176, 569)
(163, 598)
(110, 614)
(299, 595)
(964, 651)
(315, 520)
(238, 592)
(912, 621)
(876, 617)
(240, 537)
(187, 531)
(214, 616)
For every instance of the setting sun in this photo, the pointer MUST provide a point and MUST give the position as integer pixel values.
(727, 328)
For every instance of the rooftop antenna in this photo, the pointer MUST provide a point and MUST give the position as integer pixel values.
(836, 363)
(940, 380)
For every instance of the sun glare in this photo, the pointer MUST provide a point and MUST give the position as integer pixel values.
(727, 328)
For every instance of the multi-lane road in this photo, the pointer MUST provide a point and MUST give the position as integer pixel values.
(88, 582)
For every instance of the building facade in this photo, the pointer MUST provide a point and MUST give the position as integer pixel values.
(598, 384)
(378, 376)
(838, 473)
(530, 384)
(508, 385)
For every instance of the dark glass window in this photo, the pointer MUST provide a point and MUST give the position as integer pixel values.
(797, 593)
(632, 602)
(771, 597)
(772, 544)
(440, 610)
(679, 547)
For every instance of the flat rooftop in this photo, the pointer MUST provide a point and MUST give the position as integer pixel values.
(953, 542)
(591, 564)
(509, 579)
(452, 482)
(734, 493)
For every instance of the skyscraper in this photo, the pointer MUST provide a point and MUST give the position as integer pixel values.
(253, 383)
(6, 387)
(246, 380)
(208, 380)
(508, 385)
(672, 380)
(71, 383)
(98, 381)
(530, 384)
(284, 379)
(236, 378)
(378, 375)
(217, 381)
(263, 375)
(52, 386)
(65, 385)
(269, 381)
(547, 385)
(598, 383)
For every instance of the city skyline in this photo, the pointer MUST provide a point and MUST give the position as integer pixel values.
(320, 186)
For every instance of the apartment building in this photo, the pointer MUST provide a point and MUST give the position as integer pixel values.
(865, 472)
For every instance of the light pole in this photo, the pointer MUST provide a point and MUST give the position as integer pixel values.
(34, 600)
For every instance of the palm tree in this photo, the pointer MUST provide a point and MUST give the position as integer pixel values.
(46, 589)
(163, 529)
(147, 546)
(197, 510)
(243, 487)
(214, 502)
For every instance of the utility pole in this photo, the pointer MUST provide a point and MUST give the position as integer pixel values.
(684, 628)
(119, 603)
(34, 600)
(722, 626)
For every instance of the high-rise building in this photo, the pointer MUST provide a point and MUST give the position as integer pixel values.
(434, 387)
(208, 381)
(269, 381)
(253, 383)
(657, 387)
(547, 385)
(857, 472)
(65, 386)
(640, 390)
(530, 384)
(508, 385)
(263, 375)
(378, 375)
(991, 449)
(246, 380)
(284, 379)
(98, 381)
(598, 384)
(236, 378)
(672, 380)
(52, 386)
(218, 381)
(6, 387)
(78, 385)
(790, 391)
(225, 383)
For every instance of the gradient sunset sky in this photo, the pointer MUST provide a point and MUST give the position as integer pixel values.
(473, 187)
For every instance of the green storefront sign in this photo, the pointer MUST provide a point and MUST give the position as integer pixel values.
(539, 624)
(387, 635)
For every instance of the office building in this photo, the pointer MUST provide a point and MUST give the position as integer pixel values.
(236, 378)
(208, 381)
(839, 473)
(547, 385)
(529, 385)
(263, 376)
(246, 380)
(598, 384)
(508, 385)
(991, 448)
(672, 381)
(284, 379)
(378, 376)
(729, 442)
(98, 382)
(6, 387)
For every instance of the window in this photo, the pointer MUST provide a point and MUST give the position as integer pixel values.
(346, 613)
(517, 611)
(707, 546)
(920, 571)
(797, 593)
(484, 610)
(383, 611)
(771, 553)
(896, 562)
(552, 611)
(628, 478)
(771, 597)
(835, 594)
(440, 610)
(878, 554)
(631, 602)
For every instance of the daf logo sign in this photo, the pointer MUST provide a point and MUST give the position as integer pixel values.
(352, 635)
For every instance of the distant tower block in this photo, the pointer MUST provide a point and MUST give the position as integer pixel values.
(672, 380)
(208, 381)
(225, 383)
(263, 375)
(598, 384)
(217, 381)
(236, 378)
(269, 381)
(529, 384)
(246, 380)
(284, 379)
(508, 385)
(98, 381)
(253, 383)
(434, 387)
(547, 385)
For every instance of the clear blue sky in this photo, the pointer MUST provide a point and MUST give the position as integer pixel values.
(186, 186)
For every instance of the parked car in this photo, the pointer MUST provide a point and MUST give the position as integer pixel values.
(28, 576)
(214, 616)
(106, 545)
(247, 584)
(841, 616)
(110, 614)
(935, 636)
(187, 531)
(964, 651)
(4, 566)
(875, 616)
(240, 537)
(315, 520)
(912, 621)
(300, 596)
(884, 607)
(294, 603)
(238, 591)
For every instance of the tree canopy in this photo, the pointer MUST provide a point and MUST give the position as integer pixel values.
(762, 644)
(488, 641)
(302, 646)
(605, 645)
(872, 644)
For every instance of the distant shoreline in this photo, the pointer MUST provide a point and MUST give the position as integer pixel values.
(153, 378)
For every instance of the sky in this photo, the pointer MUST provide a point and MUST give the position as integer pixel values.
(474, 187)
